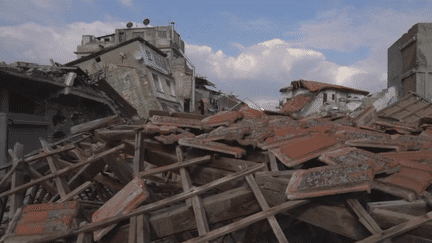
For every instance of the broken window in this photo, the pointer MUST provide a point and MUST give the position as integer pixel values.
(325, 98)
(157, 82)
(333, 97)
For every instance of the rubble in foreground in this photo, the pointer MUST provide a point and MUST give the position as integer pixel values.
(245, 175)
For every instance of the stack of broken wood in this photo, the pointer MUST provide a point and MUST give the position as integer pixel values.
(236, 176)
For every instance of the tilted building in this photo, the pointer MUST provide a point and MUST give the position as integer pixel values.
(152, 61)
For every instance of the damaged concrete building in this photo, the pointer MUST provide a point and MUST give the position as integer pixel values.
(45, 101)
(159, 53)
(409, 62)
(310, 97)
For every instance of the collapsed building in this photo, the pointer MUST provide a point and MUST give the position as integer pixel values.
(46, 101)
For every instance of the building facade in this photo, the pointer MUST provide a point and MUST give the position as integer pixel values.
(163, 38)
(45, 101)
(311, 97)
(410, 62)
(141, 73)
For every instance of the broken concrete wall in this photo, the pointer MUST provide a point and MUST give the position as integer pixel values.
(409, 61)
(183, 77)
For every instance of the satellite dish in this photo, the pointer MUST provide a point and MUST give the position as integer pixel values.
(146, 22)
(129, 25)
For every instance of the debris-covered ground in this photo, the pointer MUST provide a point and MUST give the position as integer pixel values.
(236, 176)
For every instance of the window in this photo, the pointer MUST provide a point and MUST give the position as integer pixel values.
(157, 83)
(325, 98)
(162, 34)
(149, 56)
(140, 34)
(98, 59)
(333, 97)
(171, 87)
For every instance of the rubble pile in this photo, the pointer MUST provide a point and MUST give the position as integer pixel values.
(236, 176)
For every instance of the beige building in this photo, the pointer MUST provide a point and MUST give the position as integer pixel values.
(141, 73)
(170, 46)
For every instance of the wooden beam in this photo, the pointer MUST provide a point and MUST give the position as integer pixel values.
(16, 199)
(175, 166)
(76, 191)
(132, 230)
(139, 157)
(151, 207)
(399, 229)
(427, 197)
(86, 237)
(62, 171)
(34, 174)
(143, 229)
(388, 219)
(364, 217)
(88, 126)
(273, 162)
(247, 221)
(199, 212)
(264, 205)
(60, 181)
(420, 207)
(218, 209)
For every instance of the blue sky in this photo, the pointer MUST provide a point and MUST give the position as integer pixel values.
(250, 48)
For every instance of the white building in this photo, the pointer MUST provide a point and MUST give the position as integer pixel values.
(309, 97)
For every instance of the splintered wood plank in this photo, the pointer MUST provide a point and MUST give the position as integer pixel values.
(247, 221)
(264, 205)
(138, 158)
(197, 204)
(163, 203)
(399, 229)
(16, 199)
(60, 181)
(76, 191)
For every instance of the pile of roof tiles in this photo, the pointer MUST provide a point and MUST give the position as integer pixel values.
(185, 177)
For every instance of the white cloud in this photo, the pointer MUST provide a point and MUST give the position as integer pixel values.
(126, 2)
(36, 43)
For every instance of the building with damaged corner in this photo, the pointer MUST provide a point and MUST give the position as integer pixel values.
(45, 101)
(308, 97)
(164, 55)
(139, 72)
(153, 64)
